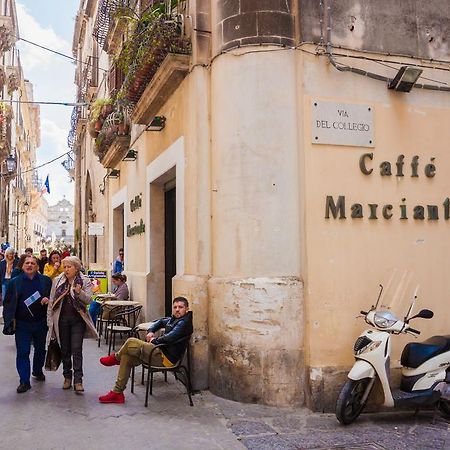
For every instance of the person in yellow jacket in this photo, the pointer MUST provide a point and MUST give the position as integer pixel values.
(53, 268)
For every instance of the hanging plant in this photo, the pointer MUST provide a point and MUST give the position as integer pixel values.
(12, 83)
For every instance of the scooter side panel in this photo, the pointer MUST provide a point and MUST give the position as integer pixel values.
(438, 363)
(429, 379)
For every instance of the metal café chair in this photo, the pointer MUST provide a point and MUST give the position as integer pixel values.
(181, 372)
(102, 323)
(124, 322)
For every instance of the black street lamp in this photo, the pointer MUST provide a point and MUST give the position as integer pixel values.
(11, 164)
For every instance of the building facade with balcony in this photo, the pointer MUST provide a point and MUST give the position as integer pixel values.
(19, 137)
(250, 156)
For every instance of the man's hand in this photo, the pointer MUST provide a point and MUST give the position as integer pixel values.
(44, 301)
(150, 336)
(77, 288)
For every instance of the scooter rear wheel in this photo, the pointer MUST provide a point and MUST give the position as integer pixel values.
(444, 408)
(349, 404)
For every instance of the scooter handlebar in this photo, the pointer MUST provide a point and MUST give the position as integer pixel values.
(414, 331)
(364, 313)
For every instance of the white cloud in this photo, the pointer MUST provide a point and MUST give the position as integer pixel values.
(52, 77)
(30, 29)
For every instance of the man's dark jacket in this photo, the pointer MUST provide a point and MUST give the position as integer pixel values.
(12, 294)
(175, 329)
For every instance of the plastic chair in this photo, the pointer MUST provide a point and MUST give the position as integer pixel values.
(124, 322)
(179, 370)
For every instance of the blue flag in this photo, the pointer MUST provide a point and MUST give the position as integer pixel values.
(47, 185)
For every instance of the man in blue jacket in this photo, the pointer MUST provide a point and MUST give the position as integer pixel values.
(25, 315)
(134, 352)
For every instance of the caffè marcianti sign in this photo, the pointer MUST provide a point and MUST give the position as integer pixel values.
(352, 125)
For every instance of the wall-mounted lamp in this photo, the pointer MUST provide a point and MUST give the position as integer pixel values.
(131, 155)
(405, 79)
(114, 173)
(11, 164)
(157, 124)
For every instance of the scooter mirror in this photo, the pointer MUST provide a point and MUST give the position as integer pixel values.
(424, 314)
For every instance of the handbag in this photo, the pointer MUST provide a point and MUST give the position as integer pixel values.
(53, 358)
(10, 329)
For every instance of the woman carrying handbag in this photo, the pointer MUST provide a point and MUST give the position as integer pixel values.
(69, 321)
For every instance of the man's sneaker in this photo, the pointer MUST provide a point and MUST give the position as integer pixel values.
(112, 397)
(39, 376)
(67, 383)
(23, 387)
(109, 360)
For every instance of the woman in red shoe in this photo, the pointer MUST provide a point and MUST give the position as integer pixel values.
(69, 321)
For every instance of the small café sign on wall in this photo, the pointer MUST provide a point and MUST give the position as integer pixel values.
(342, 124)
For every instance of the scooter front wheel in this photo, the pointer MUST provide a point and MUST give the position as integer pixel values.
(350, 402)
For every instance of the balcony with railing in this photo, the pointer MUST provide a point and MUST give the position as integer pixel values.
(111, 22)
(5, 130)
(89, 79)
(111, 123)
(69, 165)
(154, 55)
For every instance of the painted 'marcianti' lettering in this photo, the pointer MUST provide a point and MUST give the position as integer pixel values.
(337, 210)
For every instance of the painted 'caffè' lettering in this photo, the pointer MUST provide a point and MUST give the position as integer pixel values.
(386, 167)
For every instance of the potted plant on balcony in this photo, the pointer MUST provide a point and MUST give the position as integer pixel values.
(98, 113)
(5, 112)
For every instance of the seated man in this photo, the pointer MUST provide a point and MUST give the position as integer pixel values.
(135, 352)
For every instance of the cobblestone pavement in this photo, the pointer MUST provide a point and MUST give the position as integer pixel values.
(46, 417)
(264, 428)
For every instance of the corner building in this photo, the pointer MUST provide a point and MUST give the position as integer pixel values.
(235, 178)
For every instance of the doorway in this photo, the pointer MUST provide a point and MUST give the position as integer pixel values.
(118, 231)
(170, 248)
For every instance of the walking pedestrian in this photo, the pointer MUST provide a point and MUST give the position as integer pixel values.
(53, 268)
(18, 270)
(119, 262)
(43, 260)
(69, 321)
(7, 266)
(25, 314)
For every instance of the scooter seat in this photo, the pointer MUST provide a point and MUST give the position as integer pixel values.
(416, 353)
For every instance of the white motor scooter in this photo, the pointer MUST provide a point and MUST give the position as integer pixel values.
(425, 366)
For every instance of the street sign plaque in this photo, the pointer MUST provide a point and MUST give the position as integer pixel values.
(96, 229)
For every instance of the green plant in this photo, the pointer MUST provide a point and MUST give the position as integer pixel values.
(97, 106)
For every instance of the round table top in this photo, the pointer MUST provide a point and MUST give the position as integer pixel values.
(105, 296)
(144, 326)
(120, 303)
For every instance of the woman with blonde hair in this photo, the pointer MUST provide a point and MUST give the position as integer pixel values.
(7, 266)
(68, 320)
(53, 268)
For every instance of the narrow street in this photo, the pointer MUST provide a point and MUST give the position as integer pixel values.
(47, 418)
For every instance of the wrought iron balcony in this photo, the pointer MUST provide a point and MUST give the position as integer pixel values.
(113, 140)
(89, 79)
(106, 23)
(69, 165)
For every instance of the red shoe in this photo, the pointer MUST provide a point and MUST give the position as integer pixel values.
(109, 360)
(112, 397)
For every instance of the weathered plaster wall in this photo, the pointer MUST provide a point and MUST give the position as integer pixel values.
(252, 22)
(255, 294)
(348, 258)
(407, 27)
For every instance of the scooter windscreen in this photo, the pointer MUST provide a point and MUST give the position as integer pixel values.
(399, 294)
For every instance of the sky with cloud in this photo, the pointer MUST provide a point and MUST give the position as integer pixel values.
(50, 23)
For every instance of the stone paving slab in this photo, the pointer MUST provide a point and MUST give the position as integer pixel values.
(48, 418)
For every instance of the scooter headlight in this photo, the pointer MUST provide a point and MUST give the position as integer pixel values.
(384, 319)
